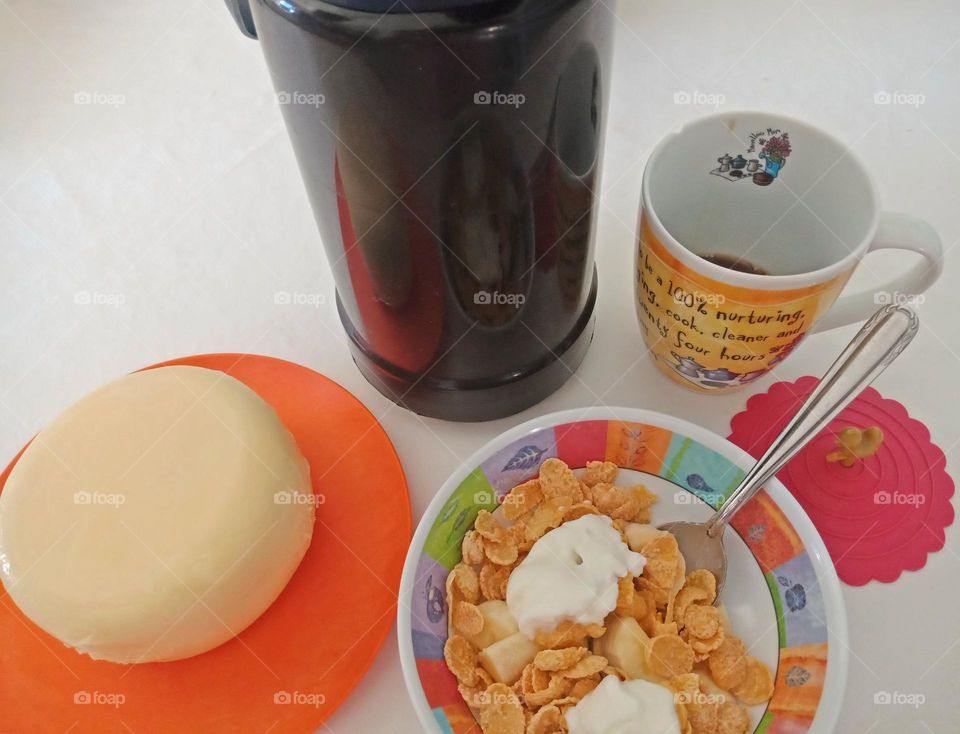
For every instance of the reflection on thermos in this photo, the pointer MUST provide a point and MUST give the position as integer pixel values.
(489, 227)
(376, 212)
(451, 168)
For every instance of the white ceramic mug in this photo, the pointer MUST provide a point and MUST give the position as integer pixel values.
(796, 228)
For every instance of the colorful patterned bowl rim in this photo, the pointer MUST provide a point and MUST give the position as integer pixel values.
(463, 481)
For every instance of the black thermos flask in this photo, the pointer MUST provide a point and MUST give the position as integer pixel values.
(451, 152)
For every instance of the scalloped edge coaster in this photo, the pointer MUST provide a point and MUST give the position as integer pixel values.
(879, 518)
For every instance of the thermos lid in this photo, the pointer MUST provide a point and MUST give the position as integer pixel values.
(408, 6)
(240, 9)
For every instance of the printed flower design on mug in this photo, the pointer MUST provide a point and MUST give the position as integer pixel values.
(765, 158)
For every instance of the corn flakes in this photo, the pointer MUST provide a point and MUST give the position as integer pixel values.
(472, 548)
(702, 717)
(548, 720)
(732, 719)
(645, 610)
(703, 579)
(461, 659)
(669, 656)
(703, 648)
(493, 581)
(489, 528)
(554, 660)
(568, 634)
(587, 667)
(626, 592)
(702, 622)
(467, 619)
(566, 702)
(665, 628)
(539, 678)
(546, 517)
(686, 686)
(558, 688)
(464, 579)
(663, 567)
(583, 686)
(728, 663)
(600, 472)
(502, 712)
(614, 501)
(525, 684)
(757, 684)
(686, 597)
(575, 512)
(557, 480)
(474, 695)
(522, 499)
(502, 554)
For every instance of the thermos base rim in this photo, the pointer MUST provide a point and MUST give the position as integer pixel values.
(495, 397)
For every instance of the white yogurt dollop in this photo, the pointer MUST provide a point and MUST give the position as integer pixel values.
(631, 707)
(571, 574)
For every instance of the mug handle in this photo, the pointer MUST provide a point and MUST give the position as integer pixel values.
(896, 232)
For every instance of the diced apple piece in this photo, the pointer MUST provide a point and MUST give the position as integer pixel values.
(681, 577)
(639, 535)
(498, 624)
(623, 645)
(506, 659)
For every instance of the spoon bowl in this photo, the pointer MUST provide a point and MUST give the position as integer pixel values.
(699, 549)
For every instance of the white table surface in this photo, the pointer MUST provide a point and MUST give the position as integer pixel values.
(178, 192)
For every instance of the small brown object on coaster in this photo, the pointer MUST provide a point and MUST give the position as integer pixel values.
(854, 444)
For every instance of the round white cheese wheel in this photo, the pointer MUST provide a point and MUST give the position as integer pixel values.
(156, 518)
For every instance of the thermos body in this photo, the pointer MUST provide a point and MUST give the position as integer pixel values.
(452, 159)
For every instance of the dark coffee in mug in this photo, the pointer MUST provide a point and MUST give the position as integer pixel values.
(732, 262)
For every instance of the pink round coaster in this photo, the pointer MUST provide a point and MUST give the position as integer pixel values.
(882, 516)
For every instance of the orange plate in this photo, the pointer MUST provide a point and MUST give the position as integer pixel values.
(297, 663)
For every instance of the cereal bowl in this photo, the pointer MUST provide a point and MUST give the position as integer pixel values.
(782, 593)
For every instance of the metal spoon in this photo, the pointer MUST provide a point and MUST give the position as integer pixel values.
(880, 341)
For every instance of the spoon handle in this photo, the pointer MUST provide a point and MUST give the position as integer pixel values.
(880, 341)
